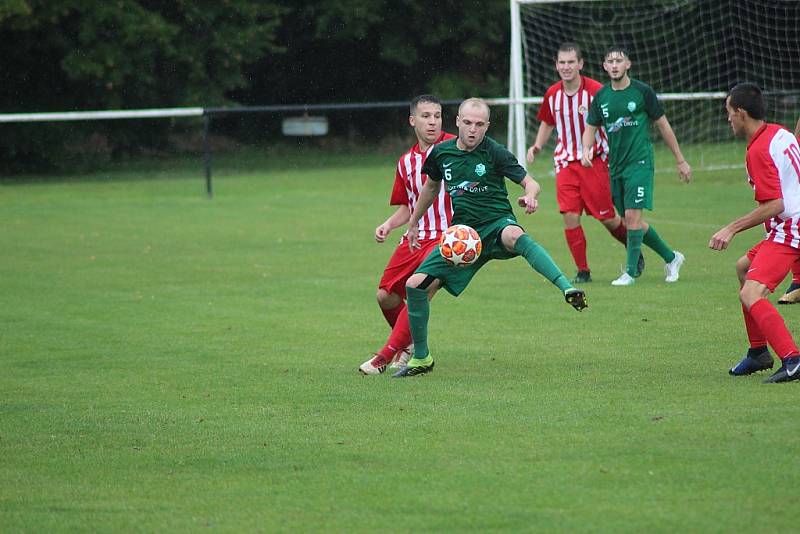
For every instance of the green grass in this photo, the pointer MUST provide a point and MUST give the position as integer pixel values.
(173, 363)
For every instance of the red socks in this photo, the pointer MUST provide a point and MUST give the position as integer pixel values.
(620, 233)
(392, 315)
(400, 337)
(576, 241)
(754, 334)
(769, 321)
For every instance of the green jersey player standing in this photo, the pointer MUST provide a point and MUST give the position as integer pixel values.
(625, 108)
(473, 168)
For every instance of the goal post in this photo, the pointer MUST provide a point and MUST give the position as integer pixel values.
(690, 51)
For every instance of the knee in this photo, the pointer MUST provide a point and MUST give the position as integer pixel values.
(387, 300)
(422, 282)
(742, 264)
(511, 235)
(751, 292)
(571, 220)
(415, 280)
(612, 223)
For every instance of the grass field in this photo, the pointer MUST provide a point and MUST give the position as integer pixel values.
(173, 363)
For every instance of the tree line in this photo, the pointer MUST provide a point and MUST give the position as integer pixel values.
(129, 54)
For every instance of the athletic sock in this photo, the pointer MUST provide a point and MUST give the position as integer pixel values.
(771, 323)
(634, 250)
(754, 333)
(418, 313)
(399, 339)
(392, 314)
(654, 241)
(576, 241)
(540, 260)
(620, 233)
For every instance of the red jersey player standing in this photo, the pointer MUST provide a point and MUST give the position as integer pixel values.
(578, 189)
(773, 169)
(792, 295)
(426, 119)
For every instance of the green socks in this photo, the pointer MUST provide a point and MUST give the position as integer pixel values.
(634, 246)
(419, 310)
(654, 241)
(540, 260)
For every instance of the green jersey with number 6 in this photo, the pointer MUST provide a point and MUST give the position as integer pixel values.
(475, 179)
(626, 115)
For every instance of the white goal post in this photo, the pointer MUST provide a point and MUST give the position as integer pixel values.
(690, 51)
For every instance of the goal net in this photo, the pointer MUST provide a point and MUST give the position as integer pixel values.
(690, 51)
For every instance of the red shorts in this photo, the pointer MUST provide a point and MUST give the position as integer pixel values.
(402, 265)
(770, 261)
(580, 189)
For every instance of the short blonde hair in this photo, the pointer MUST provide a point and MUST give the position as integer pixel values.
(475, 102)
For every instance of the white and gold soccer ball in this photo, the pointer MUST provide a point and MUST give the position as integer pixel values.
(460, 245)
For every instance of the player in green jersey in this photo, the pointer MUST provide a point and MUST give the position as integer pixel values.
(625, 108)
(473, 168)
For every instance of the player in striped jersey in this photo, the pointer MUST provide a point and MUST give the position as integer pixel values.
(578, 189)
(773, 170)
(473, 168)
(792, 294)
(426, 120)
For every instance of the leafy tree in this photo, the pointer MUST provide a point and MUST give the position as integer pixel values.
(360, 50)
(108, 54)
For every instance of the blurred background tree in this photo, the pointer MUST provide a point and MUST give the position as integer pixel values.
(128, 54)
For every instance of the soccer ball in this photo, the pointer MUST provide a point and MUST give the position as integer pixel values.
(460, 245)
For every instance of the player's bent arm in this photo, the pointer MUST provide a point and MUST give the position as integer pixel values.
(588, 140)
(545, 130)
(396, 220)
(530, 200)
(428, 193)
(664, 128)
(764, 211)
(797, 130)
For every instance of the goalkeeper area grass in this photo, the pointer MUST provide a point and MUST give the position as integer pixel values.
(173, 363)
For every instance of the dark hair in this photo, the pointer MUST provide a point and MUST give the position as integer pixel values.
(569, 46)
(747, 96)
(423, 98)
(616, 48)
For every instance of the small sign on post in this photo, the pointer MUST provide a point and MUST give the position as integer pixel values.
(305, 126)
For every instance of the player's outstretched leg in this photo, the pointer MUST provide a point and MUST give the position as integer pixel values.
(538, 258)
(756, 359)
(576, 298)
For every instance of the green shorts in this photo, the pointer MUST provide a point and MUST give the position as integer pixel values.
(456, 279)
(633, 187)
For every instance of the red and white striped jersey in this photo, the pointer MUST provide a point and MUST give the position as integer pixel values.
(773, 170)
(408, 182)
(568, 115)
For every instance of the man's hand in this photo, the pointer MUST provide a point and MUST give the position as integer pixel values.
(586, 158)
(684, 171)
(532, 151)
(413, 235)
(529, 203)
(381, 233)
(721, 239)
